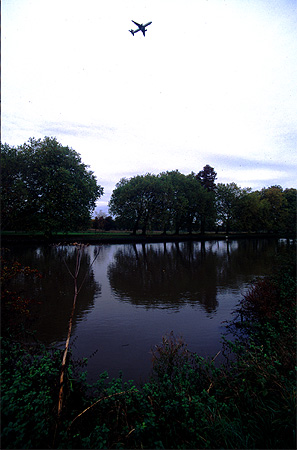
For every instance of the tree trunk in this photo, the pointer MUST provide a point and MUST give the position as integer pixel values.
(135, 228)
(177, 229)
(227, 226)
(202, 230)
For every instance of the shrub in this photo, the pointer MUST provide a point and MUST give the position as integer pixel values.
(29, 385)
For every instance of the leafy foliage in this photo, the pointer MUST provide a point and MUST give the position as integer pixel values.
(227, 200)
(29, 385)
(207, 177)
(46, 187)
(174, 201)
(169, 200)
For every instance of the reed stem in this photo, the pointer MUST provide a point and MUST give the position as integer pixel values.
(80, 250)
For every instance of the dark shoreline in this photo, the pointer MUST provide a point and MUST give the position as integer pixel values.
(93, 238)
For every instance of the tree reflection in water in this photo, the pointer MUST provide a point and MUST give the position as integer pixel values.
(172, 274)
(54, 291)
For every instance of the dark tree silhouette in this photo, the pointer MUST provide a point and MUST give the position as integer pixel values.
(207, 177)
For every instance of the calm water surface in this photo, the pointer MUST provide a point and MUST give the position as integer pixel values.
(134, 294)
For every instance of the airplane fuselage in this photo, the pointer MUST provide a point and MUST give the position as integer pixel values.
(141, 28)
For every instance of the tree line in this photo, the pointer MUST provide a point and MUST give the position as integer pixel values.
(174, 201)
(46, 187)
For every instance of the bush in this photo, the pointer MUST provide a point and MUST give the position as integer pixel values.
(29, 386)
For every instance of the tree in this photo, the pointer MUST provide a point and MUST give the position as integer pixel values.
(181, 201)
(149, 201)
(198, 200)
(276, 206)
(133, 202)
(54, 189)
(163, 194)
(207, 177)
(109, 223)
(103, 222)
(170, 200)
(291, 221)
(249, 212)
(227, 198)
(97, 223)
(177, 199)
(13, 189)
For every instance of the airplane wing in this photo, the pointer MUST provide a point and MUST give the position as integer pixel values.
(140, 27)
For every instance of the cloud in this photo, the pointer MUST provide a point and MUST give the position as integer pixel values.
(77, 130)
(240, 162)
(254, 173)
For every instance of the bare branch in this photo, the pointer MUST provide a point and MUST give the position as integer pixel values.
(100, 400)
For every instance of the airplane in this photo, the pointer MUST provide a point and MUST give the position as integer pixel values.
(141, 27)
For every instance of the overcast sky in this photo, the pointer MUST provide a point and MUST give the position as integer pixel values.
(212, 82)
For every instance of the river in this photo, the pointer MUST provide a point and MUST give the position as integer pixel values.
(132, 295)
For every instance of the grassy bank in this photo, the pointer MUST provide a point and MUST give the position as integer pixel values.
(121, 237)
(188, 402)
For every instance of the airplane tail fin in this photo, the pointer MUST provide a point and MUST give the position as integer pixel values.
(131, 31)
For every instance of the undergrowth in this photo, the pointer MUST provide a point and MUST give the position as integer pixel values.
(248, 401)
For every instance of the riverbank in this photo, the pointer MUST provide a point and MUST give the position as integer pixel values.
(249, 401)
(122, 237)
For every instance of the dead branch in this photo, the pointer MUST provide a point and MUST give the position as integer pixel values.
(98, 401)
(80, 249)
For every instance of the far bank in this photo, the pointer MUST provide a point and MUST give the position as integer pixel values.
(121, 237)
